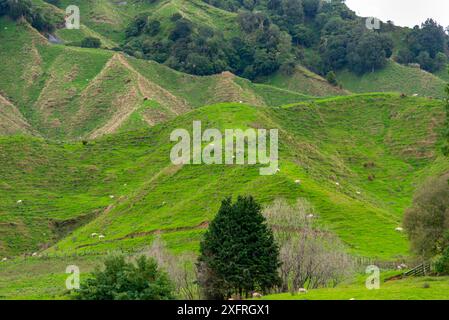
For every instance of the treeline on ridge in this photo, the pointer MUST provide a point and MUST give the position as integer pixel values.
(275, 35)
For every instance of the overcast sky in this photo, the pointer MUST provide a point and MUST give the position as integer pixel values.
(403, 12)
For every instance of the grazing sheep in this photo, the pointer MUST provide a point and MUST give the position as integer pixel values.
(101, 237)
(111, 196)
(337, 183)
(298, 181)
(257, 295)
(399, 229)
(310, 216)
(302, 290)
(415, 95)
(358, 192)
(93, 235)
(4, 259)
(34, 254)
(19, 201)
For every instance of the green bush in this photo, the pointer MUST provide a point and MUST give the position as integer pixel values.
(91, 42)
(122, 280)
(427, 221)
(442, 264)
(331, 77)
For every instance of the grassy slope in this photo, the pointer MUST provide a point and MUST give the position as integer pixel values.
(443, 73)
(404, 289)
(11, 120)
(109, 18)
(323, 142)
(69, 92)
(394, 78)
(304, 81)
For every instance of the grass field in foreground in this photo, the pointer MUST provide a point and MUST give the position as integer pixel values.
(421, 288)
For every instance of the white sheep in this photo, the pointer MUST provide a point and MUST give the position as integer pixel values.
(101, 237)
(337, 183)
(358, 192)
(310, 216)
(257, 295)
(111, 196)
(399, 229)
(4, 259)
(19, 201)
(302, 290)
(34, 254)
(93, 235)
(298, 181)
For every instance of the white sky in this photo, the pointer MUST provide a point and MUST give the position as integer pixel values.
(403, 12)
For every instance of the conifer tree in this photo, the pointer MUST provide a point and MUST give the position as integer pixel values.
(238, 253)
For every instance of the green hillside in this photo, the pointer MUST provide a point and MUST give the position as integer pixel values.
(70, 92)
(85, 132)
(394, 78)
(303, 80)
(126, 185)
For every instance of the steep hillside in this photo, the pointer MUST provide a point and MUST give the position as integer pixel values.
(443, 73)
(11, 120)
(304, 81)
(394, 78)
(71, 93)
(109, 18)
(126, 186)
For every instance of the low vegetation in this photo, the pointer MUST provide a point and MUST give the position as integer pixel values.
(122, 280)
(427, 221)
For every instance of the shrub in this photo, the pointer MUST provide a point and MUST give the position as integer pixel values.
(122, 280)
(442, 264)
(427, 221)
(331, 77)
(180, 269)
(91, 42)
(310, 257)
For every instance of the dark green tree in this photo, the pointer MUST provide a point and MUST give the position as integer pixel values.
(311, 8)
(427, 221)
(91, 42)
(238, 253)
(369, 52)
(331, 77)
(122, 280)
